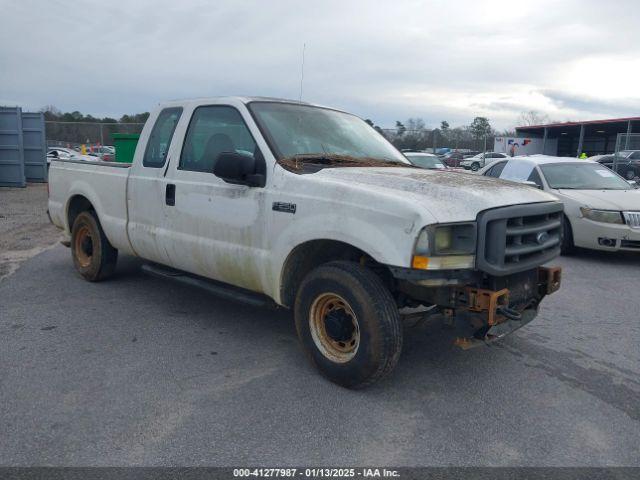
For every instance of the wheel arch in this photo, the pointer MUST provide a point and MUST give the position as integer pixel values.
(77, 204)
(306, 256)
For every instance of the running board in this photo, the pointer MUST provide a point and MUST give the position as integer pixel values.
(222, 290)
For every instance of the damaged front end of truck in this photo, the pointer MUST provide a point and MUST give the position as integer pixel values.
(487, 278)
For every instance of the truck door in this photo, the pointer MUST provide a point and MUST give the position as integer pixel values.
(217, 229)
(147, 192)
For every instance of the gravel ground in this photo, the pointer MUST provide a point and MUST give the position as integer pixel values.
(25, 229)
(140, 371)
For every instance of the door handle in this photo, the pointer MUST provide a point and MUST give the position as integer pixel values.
(170, 195)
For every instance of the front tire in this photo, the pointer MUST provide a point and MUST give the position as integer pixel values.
(348, 324)
(567, 247)
(630, 174)
(475, 167)
(93, 256)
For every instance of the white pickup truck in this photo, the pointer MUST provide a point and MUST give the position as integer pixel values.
(309, 208)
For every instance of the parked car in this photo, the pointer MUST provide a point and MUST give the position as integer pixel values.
(601, 209)
(278, 202)
(104, 152)
(627, 164)
(479, 160)
(470, 154)
(60, 153)
(425, 160)
(452, 159)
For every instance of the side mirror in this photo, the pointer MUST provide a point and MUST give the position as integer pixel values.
(529, 183)
(633, 183)
(238, 169)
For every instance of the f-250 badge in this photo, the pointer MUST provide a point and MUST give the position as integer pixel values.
(284, 207)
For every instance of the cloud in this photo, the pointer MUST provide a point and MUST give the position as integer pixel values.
(598, 107)
(382, 60)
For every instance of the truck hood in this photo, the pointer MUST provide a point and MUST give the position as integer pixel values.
(448, 196)
(605, 199)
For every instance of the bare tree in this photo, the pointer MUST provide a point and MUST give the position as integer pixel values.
(532, 117)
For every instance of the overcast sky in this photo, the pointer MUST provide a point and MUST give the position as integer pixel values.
(439, 60)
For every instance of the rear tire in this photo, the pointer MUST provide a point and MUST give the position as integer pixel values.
(567, 247)
(93, 256)
(348, 324)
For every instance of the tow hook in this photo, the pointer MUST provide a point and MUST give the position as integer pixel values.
(489, 301)
(549, 279)
(510, 313)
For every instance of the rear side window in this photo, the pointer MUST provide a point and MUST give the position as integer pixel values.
(517, 171)
(496, 170)
(158, 145)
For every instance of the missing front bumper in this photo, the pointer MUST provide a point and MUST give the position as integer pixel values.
(496, 332)
(485, 310)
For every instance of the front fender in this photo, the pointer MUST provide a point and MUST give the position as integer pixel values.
(388, 242)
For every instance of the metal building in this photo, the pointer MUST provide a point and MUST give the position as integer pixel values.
(593, 137)
(23, 152)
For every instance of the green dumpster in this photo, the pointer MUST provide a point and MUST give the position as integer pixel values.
(125, 144)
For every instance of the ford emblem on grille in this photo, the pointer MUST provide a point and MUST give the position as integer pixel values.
(542, 237)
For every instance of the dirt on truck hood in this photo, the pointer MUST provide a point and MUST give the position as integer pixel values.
(448, 196)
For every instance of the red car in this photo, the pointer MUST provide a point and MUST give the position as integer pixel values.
(452, 159)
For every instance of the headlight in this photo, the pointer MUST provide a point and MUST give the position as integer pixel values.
(445, 247)
(604, 216)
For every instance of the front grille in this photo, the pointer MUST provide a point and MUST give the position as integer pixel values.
(632, 219)
(518, 238)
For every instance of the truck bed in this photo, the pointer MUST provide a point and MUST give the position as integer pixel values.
(104, 184)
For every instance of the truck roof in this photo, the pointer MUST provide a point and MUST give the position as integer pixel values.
(240, 98)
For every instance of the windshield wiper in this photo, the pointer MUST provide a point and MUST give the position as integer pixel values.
(322, 160)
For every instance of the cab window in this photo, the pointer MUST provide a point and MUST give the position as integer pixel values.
(213, 130)
(158, 145)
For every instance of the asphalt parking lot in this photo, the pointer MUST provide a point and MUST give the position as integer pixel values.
(140, 371)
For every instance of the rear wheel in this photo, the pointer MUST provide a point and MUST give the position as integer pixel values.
(93, 256)
(348, 323)
(567, 247)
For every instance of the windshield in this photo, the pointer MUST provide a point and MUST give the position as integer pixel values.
(424, 161)
(295, 130)
(582, 176)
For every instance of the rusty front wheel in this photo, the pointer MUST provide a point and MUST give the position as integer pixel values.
(334, 327)
(93, 256)
(348, 323)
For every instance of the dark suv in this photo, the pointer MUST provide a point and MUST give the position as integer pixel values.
(627, 164)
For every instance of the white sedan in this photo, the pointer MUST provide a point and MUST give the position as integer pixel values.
(478, 161)
(601, 209)
(425, 160)
(60, 153)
